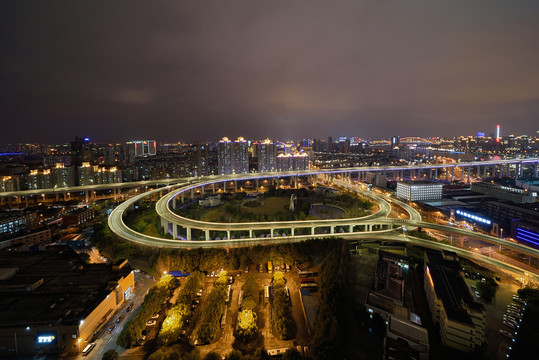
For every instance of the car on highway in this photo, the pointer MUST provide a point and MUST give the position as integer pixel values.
(151, 322)
(120, 318)
(129, 308)
(506, 333)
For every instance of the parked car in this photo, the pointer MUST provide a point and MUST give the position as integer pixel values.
(151, 323)
(509, 325)
(120, 318)
(111, 328)
(155, 316)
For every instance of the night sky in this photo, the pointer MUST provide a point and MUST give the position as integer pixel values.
(200, 70)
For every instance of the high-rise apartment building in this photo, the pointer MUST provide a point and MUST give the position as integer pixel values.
(233, 156)
(291, 162)
(140, 148)
(200, 159)
(267, 156)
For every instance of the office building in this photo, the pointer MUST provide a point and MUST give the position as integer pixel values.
(376, 179)
(233, 156)
(419, 190)
(52, 302)
(267, 156)
(462, 321)
(515, 195)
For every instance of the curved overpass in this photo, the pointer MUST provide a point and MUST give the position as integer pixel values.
(373, 226)
(169, 217)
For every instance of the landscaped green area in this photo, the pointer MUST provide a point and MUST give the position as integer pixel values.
(145, 220)
(274, 205)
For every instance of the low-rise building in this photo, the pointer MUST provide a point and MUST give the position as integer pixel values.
(502, 192)
(78, 216)
(52, 302)
(462, 321)
(24, 242)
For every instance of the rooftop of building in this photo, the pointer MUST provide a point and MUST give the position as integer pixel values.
(450, 286)
(77, 211)
(53, 286)
(420, 182)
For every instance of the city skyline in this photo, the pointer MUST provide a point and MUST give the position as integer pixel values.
(200, 72)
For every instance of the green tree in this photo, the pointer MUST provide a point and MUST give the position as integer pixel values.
(234, 355)
(212, 355)
(278, 279)
(247, 325)
(487, 289)
(111, 355)
(292, 354)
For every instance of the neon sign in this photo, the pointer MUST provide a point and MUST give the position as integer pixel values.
(474, 217)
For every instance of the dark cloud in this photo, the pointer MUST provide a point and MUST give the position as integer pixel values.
(186, 70)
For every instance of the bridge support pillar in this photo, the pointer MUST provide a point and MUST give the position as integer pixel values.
(192, 194)
(86, 195)
(213, 188)
(174, 231)
(271, 232)
(312, 230)
(182, 197)
(207, 234)
(350, 228)
(256, 182)
(174, 202)
(251, 234)
(203, 190)
(292, 232)
(188, 233)
(228, 234)
(469, 173)
(436, 173)
(164, 225)
(332, 230)
(235, 186)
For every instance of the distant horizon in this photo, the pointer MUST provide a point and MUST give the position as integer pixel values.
(335, 137)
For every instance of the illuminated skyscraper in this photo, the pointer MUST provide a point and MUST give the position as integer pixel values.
(267, 156)
(233, 156)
